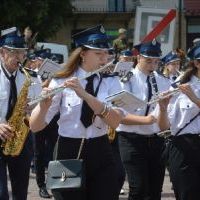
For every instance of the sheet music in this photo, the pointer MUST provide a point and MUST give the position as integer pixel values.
(125, 100)
(48, 68)
(123, 68)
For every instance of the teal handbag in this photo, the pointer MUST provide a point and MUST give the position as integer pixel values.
(66, 174)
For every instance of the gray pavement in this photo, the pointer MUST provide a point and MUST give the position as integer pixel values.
(166, 195)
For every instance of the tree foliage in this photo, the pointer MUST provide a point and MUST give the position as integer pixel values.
(43, 16)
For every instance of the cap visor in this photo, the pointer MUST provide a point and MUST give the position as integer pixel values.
(8, 47)
(150, 56)
(97, 48)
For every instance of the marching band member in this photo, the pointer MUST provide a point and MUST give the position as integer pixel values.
(172, 64)
(140, 147)
(11, 81)
(126, 56)
(34, 60)
(77, 107)
(183, 117)
(44, 140)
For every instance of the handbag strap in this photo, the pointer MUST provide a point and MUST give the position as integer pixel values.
(187, 124)
(80, 148)
(79, 151)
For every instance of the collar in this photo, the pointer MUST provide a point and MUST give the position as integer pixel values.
(140, 73)
(8, 73)
(82, 73)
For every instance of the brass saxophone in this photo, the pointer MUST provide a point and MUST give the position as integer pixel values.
(14, 146)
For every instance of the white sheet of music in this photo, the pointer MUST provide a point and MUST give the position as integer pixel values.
(123, 68)
(125, 99)
(48, 68)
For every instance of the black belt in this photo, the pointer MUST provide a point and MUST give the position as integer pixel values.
(133, 135)
(98, 138)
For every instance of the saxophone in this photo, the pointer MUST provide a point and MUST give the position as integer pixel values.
(17, 122)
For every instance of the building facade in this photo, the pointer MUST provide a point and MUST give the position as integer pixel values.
(192, 18)
(115, 14)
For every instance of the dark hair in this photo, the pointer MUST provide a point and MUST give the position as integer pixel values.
(191, 70)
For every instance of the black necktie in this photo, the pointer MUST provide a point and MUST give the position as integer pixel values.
(173, 78)
(149, 94)
(86, 112)
(13, 94)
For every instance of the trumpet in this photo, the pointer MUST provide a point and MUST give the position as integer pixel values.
(61, 88)
(167, 94)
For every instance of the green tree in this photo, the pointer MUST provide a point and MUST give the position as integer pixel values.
(43, 16)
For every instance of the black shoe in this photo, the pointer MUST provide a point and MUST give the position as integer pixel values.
(44, 193)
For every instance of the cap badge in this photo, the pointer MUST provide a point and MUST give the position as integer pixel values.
(102, 29)
(154, 42)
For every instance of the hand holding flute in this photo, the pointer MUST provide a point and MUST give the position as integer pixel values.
(48, 93)
(184, 88)
(54, 91)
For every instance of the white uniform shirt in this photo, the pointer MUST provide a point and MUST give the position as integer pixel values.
(181, 110)
(138, 86)
(34, 90)
(69, 105)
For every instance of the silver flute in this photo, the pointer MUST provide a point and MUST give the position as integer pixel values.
(168, 93)
(61, 88)
(163, 96)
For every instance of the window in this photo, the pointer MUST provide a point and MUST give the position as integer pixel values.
(117, 5)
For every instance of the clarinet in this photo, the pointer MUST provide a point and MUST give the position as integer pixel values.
(154, 85)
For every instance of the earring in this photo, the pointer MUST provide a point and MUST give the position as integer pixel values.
(83, 59)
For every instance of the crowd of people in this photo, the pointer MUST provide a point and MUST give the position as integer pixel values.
(117, 142)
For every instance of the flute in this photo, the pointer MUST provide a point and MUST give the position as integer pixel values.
(163, 96)
(61, 88)
(168, 93)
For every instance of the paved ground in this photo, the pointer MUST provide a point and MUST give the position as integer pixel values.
(166, 195)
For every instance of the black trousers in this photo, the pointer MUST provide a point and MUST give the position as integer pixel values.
(184, 166)
(44, 143)
(121, 174)
(18, 168)
(145, 169)
(101, 181)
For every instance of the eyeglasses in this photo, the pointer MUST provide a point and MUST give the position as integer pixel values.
(16, 52)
